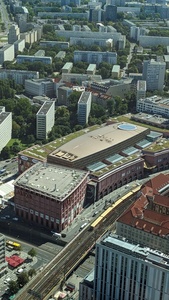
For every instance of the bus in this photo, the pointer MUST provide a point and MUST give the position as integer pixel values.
(15, 245)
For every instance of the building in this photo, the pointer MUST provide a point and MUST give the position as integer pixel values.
(104, 142)
(150, 119)
(20, 59)
(125, 270)
(61, 55)
(111, 13)
(50, 195)
(141, 89)
(67, 67)
(45, 119)
(86, 287)
(146, 221)
(63, 95)
(19, 46)
(3, 262)
(14, 34)
(61, 45)
(115, 73)
(40, 87)
(5, 127)
(84, 107)
(19, 76)
(151, 41)
(76, 78)
(95, 57)
(89, 42)
(7, 53)
(154, 74)
(91, 70)
(153, 105)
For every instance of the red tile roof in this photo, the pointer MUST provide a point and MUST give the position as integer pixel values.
(158, 182)
(141, 216)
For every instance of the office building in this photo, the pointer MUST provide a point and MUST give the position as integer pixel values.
(95, 57)
(40, 87)
(7, 53)
(141, 89)
(20, 59)
(3, 262)
(19, 76)
(5, 127)
(154, 74)
(125, 270)
(45, 119)
(155, 105)
(54, 195)
(14, 34)
(84, 107)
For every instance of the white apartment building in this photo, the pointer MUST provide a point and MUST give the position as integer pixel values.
(94, 57)
(154, 74)
(84, 107)
(40, 87)
(7, 53)
(115, 71)
(14, 34)
(19, 45)
(5, 127)
(90, 42)
(3, 262)
(153, 105)
(127, 271)
(45, 119)
(115, 36)
(79, 78)
(19, 76)
(141, 89)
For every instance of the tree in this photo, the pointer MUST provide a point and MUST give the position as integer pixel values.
(13, 287)
(5, 153)
(23, 279)
(31, 272)
(32, 252)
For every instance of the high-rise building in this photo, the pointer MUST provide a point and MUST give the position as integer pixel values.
(14, 34)
(5, 127)
(127, 271)
(111, 13)
(3, 262)
(84, 107)
(45, 119)
(154, 74)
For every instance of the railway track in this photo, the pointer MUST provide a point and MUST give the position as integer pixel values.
(62, 265)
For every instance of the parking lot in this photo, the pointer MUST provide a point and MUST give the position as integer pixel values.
(12, 273)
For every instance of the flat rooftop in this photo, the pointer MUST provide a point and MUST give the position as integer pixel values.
(93, 142)
(53, 180)
(143, 253)
(45, 107)
(3, 116)
(160, 145)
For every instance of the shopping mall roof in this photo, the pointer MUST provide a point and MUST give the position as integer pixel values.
(53, 180)
(95, 141)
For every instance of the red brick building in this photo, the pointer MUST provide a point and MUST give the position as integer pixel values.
(50, 195)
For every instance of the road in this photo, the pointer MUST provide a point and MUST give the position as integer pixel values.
(129, 57)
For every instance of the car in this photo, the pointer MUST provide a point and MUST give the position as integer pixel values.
(15, 219)
(3, 218)
(7, 216)
(95, 213)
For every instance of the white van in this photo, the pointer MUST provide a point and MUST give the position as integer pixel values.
(83, 226)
